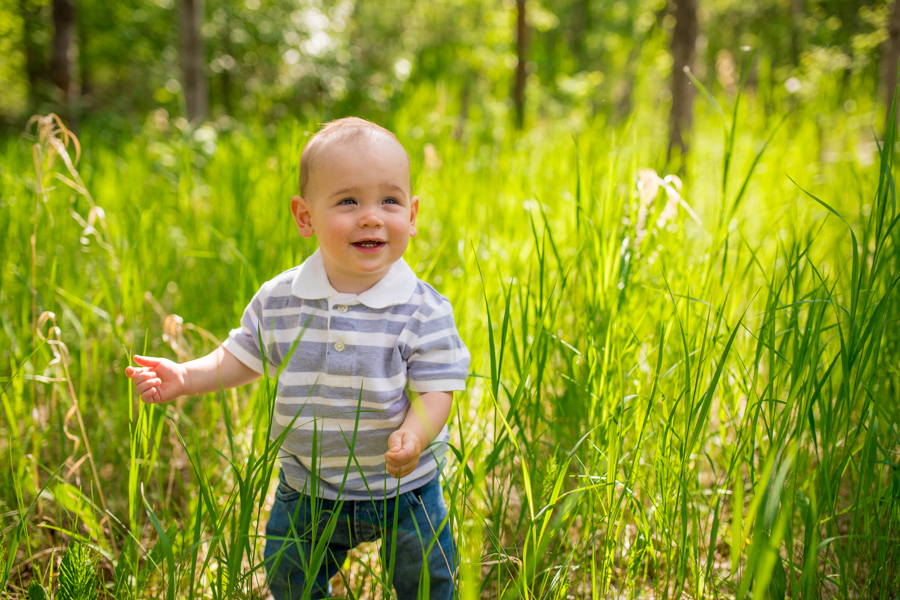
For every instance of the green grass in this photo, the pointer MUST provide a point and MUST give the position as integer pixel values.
(710, 412)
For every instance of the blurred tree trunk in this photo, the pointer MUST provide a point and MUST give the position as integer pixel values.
(847, 76)
(84, 66)
(684, 53)
(194, 82)
(622, 100)
(521, 74)
(62, 61)
(226, 92)
(226, 74)
(623, 92)
(35, 67)
(580, 29)
(796, 28)
(463, 110)
(890, 55)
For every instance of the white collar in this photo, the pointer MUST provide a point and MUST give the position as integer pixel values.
(397, 287)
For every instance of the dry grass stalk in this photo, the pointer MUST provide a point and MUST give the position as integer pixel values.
(648, 185)
(61, 360)
(53, 140)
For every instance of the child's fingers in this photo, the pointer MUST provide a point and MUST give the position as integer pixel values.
(402, 445)
(403, 453)
(397, 458)
(141, 378)
(146, 361)
(392, 464)
(132, 371)
(147, 385)
(152, 396)
(395, 441)
(401, 470)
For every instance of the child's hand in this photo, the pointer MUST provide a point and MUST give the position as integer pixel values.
(158, 379)
(402, 457)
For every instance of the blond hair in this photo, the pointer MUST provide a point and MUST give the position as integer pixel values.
(337, 132)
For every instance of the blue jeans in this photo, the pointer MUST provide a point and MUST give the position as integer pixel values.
(292, 532)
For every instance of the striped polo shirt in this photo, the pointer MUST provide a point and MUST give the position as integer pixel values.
(356, 354)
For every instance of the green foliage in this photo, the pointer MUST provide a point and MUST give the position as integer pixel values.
(6, 553)
(778, 585)
(660, 403)
(37, 592)
(271, 58)
(77, 574)
(14, 99)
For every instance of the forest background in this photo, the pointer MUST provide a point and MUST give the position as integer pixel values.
(573, 59)
(667, 229)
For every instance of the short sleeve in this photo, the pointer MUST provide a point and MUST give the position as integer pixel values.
(438, 359)
(243, 342)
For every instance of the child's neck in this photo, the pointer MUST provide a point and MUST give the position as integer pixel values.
(353, 285)
(348, 280)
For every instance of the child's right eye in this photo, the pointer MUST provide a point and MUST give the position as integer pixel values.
(347, 201)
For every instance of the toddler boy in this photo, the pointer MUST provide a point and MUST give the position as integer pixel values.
(367, 327)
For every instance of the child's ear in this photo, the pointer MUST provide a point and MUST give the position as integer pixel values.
(413, 211)
(300, 210)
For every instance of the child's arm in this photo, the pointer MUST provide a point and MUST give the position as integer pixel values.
(427, 415)
(161, 380)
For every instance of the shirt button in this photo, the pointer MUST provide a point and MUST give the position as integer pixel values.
(339, 346)
(343, 308)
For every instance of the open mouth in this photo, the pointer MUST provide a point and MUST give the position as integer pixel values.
(369, 244)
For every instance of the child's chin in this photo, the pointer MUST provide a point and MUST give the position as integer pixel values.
(371, 267)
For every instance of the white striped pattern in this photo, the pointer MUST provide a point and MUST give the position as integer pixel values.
(399, 333)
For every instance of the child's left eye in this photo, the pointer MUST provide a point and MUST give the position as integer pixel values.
(391, 201)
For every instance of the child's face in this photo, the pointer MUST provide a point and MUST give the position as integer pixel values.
(359, 206)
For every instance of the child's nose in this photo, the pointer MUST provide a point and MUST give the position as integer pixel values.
(370, 218)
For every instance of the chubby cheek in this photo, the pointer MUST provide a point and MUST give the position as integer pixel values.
(400, 242)
(336, 231)
(402, 228)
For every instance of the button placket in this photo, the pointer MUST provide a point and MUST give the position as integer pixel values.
(328, 366)
(340, 339)
(338, 345)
